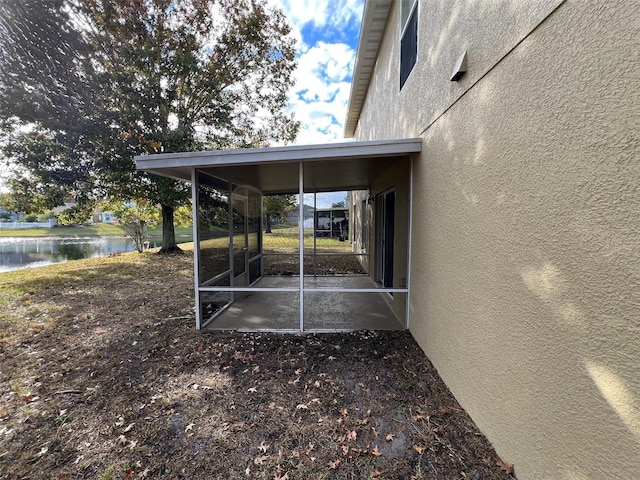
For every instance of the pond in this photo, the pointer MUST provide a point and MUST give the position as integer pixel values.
(23, 252)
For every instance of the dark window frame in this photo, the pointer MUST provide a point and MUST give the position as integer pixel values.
(409, 44)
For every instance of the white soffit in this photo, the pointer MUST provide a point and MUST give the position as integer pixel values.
(374, 20)
(327, 167)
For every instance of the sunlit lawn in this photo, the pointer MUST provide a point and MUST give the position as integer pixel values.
(95, 230)
(285, 240)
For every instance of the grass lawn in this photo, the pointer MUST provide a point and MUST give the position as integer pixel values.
(95, 230)
(288, 239)
(102, 376)
(157, 231)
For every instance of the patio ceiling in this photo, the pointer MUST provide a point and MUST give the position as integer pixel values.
(275, 170)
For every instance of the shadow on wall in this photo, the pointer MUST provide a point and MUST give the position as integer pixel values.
(529, 202)
(525, 206)
(548, 284)
(488, 30)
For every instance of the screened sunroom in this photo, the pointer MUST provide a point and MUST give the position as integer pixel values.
(263, 259)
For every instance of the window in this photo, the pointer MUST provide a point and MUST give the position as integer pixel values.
(409, 38)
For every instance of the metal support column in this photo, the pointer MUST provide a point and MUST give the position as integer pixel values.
(230, 227)
(407, 319)
(301, 239)
(315, 242)
(195, 201)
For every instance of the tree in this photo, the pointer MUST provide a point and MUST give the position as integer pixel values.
(48, 76)
(49, 102)
(134, 220)
(276, 206)
(183, 216)
(10, 203)
(141, 77)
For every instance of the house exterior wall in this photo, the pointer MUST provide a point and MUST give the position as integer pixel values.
(360, 217)
(525, 285)
(394, 177)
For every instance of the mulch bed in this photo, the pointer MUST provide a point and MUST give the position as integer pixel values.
(324, 265)
(103, 376)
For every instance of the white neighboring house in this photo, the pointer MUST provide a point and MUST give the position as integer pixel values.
(103, 217)
(108, 217)
(13, 216)
(100, 216)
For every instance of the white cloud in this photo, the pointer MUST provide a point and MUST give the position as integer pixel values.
(322, 118)
(336, 13)
(323, 78)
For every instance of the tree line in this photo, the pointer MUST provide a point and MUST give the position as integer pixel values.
(87, 84)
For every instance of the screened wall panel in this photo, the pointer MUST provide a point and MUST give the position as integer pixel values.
(213, 232)
(281, 237)
(256, 309)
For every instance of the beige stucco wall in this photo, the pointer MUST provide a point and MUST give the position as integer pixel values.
(525, 290)
(387, 176)
(396, 177)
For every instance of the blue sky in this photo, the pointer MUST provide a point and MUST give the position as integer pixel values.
(327, 38)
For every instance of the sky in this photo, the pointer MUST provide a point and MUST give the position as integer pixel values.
(327, 38)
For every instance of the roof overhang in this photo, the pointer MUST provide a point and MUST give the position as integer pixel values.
(374, 20)
(275, 170)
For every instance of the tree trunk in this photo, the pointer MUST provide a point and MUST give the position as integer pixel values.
(268, 221)
(169, 244)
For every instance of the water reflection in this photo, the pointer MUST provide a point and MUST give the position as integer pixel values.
(17, 253)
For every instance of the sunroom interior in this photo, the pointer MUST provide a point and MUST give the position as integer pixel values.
(275, 251)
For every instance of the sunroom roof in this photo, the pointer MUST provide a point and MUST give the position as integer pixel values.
(274, 170)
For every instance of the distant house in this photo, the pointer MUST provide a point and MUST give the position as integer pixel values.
(294, 214)
(10, 215)
(103, 217)
(494, 195)
(61, 208)
(332, 222)
(108, 217)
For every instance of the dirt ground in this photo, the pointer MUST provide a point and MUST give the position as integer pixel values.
(102, 375)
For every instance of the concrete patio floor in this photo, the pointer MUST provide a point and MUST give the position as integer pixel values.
(261, 310)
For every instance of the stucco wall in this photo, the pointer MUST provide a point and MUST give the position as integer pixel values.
(525, 289)
(395, 177)
(385, 177)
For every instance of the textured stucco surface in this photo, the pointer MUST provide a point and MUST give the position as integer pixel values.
(486, 29)
(387, 177)
(525, 289)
